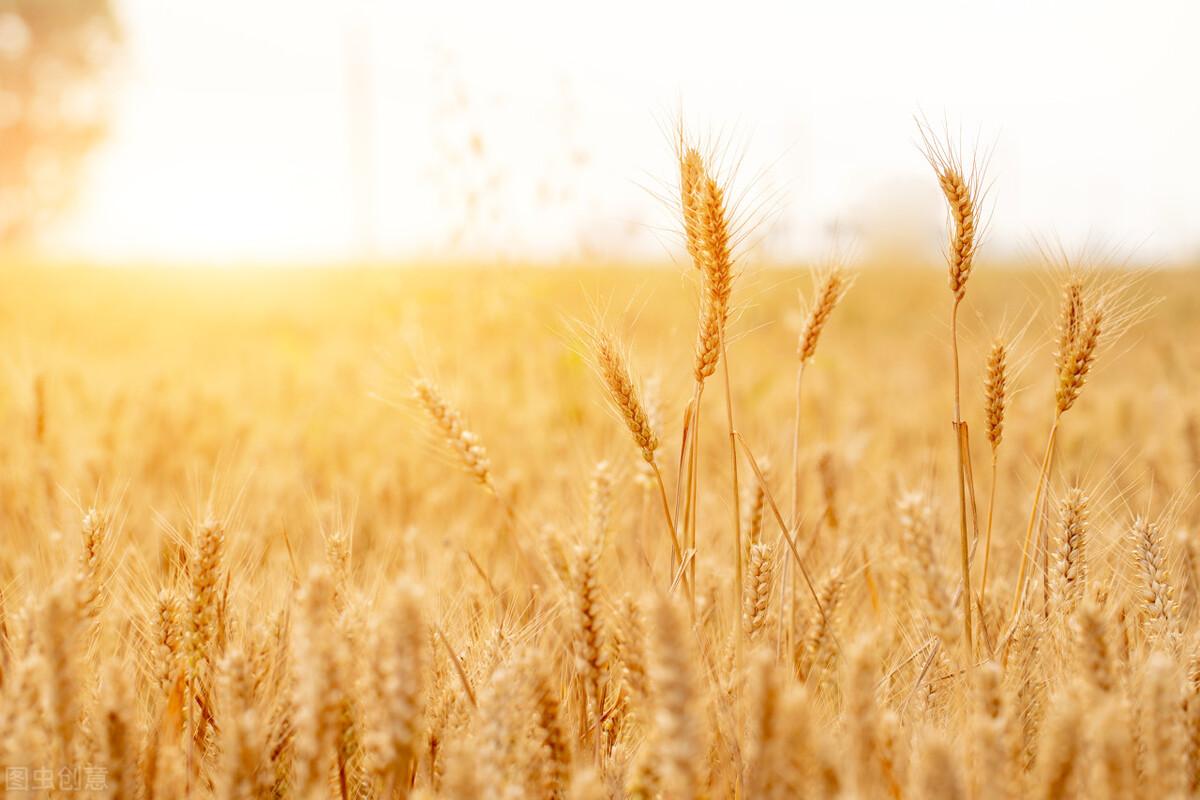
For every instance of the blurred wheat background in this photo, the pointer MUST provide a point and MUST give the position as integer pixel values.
(627, 436)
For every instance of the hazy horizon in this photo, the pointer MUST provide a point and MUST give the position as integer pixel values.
(321, 132)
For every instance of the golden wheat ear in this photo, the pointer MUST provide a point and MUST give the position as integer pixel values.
(1070, 561)
(760, 570)
(449, 423)
(831, 287)
(995, 390)
(625, 396)
(995, 403)
(1157, 609)
(624, 393)
(691, 174)
(963, 185)
(716, 251)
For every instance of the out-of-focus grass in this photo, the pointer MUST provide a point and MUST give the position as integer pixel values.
(288, 388)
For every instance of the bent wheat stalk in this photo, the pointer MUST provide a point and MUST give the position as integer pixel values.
(783, 528)
(830, 291)
(625, 397)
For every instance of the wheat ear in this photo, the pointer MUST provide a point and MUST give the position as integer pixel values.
(627, 400)
(464, 443)
(995, 393)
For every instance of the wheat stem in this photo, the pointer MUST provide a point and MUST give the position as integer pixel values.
(796, 447)
(737, 492)
(662, 493)
(959, 433)
(1033, 515)
(987, 543)
(783, 529)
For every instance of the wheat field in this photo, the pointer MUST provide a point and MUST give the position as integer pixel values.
(585, 533)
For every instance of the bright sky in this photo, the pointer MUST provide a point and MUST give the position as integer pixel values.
(318, 130)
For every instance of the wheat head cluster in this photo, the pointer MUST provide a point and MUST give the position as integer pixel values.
(360, 534)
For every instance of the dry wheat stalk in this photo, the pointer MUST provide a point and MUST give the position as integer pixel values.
(623, 392)
(716, 240)
(963, 195)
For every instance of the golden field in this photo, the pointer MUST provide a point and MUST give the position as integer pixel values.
(238, 560)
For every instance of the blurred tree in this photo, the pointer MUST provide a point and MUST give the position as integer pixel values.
(56, 59)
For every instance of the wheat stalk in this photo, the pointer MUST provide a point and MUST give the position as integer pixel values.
(626, 399)
(1081, 328)
(963, 197)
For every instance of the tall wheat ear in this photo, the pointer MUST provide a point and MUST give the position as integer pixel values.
(962, 185)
